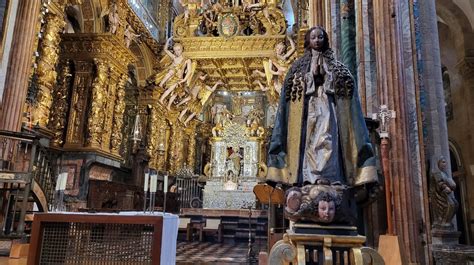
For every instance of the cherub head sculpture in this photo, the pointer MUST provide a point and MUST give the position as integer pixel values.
(317, 203)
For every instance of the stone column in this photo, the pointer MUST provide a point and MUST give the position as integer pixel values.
(16, 83)
(348, 30)
(432, 82)
(397, 89)
(366, 63)
(334, 26)
(435, 130)
(316, 13)
(466, 69)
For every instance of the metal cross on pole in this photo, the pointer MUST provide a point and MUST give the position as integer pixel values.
(384, 116)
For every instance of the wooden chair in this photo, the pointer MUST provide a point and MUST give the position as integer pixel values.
(214, 226)
(184, 226)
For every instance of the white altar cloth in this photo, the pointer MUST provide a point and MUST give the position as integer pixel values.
(169, 235)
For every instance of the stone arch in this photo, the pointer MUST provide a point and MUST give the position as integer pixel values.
(74, 21)
(91, 20)
(460, 177)
(456, 156)
(457, 20)
(143, 65)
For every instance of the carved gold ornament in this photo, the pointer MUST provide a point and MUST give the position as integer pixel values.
(228, 25)
(234, 135)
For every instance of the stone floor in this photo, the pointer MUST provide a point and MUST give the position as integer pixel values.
(203, 253)
(192, 253)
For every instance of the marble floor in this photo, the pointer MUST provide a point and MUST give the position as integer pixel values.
(203, 253)
(191, 253)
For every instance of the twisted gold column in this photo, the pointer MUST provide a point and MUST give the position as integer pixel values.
(96, 113)
(153, 137)
(47, 69)
(191, 158)
(109, 107)
(176, 155)
(119, 109)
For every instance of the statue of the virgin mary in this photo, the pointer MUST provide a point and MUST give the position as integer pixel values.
(320, 132)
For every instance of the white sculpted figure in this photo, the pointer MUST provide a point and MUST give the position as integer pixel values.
(173, 78)
(113, 17)
(198, 97)
(276, 68)
(129, 36)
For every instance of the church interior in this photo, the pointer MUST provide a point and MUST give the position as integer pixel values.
(236, 132)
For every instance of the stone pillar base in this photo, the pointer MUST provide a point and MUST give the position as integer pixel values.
(453, 254)
(444, 236)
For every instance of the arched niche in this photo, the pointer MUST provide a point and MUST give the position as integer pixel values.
(457, 20)
(144, 63)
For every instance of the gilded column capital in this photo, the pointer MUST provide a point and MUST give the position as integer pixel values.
(57, 7)
(104, 46)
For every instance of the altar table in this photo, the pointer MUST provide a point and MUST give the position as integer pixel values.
(103, 238)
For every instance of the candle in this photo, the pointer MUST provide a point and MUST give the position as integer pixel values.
(154, 178)
(165, 183)
(63, 181)
(58, 182)
(147, 177)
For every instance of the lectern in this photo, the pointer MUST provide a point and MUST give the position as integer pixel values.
(267, 194)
